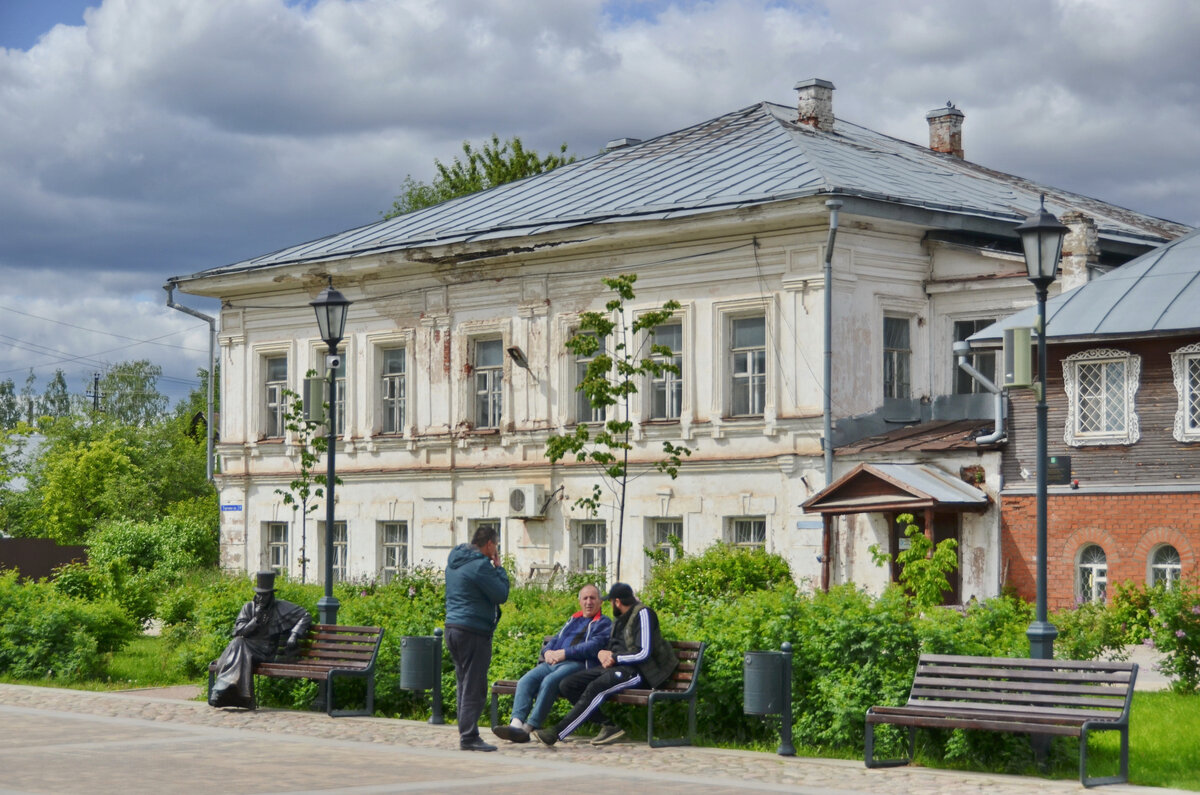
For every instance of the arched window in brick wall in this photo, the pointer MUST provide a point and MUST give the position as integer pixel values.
(1091, 580)
(1165, 566)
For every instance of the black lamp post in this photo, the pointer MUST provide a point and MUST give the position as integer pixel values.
(331, 307)
(1042, 238)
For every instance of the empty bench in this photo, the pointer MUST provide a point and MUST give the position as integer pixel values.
(681, 686)
(1046, 697)
(327, 653)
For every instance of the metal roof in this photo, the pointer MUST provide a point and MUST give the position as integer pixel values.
(751, 156)
(935, 436)
(916, 484)
(1157, 293)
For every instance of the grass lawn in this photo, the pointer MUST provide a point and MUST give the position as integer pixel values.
(1163, 747)
(142, 663)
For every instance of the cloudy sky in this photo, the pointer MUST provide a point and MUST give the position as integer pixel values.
(142, 139)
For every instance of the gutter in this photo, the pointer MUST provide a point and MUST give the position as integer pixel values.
(827, 442)
(212, 369)
(961, 349)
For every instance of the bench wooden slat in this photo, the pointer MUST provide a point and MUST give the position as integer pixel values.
(1050, 697)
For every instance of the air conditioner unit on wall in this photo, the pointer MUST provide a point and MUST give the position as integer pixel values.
(526, 501)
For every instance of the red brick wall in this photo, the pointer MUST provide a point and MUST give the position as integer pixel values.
(1126, 526)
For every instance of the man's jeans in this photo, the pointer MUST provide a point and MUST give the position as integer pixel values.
(539, 688)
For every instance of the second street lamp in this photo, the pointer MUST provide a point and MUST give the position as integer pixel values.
(331, 307)
(1042, 239)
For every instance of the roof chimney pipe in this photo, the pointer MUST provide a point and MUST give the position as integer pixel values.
(945, 130)
(815, 104)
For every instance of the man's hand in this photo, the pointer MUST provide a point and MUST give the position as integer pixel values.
(292, 646)
(553, 656)
(607, 658)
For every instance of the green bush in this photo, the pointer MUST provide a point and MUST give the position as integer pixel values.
(1176, 616)
(45, 633)
(720, 572)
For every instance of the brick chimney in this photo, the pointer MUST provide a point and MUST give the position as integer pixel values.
(1081, 249)
(815, 103)
(945, 130)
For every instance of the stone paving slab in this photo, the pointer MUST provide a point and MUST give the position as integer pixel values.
(54, 740)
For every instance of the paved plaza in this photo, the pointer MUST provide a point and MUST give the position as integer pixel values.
(54, 740)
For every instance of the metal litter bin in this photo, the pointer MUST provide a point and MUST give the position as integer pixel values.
(421, 668)
(767, 690)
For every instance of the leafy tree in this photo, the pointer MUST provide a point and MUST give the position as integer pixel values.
(621, 356)
(306, 486)
(10, 407)
(56, 401)
(129, 393)
(923, 567)
(30, 406)
(492, 164)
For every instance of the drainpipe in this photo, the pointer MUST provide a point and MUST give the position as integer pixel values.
(212, 368)
(833, 205)
(961, 349)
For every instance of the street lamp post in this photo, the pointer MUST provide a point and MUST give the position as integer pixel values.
(331, 307)
(1042, 238)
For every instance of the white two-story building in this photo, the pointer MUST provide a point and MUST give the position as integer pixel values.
(456, 371)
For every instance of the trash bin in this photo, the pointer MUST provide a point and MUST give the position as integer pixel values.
(762, 672)
(420, 668)
(767, 690)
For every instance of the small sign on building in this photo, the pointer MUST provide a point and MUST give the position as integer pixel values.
(1058, 470)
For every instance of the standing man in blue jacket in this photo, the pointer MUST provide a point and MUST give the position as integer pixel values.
(476, 586)
(573, 649)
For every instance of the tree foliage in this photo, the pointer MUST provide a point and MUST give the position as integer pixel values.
(56, 399)
(306, 486)
(129, 393)
(924, 568)
(622, 355)
(494, 163)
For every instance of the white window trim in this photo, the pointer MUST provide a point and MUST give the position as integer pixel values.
(687, 371)
(1133, 374)
(732, 539)
(577, 543)
(1079, 578)
(464, 354)
(724, 313)
(258, 394)
(381, 553)
(1179, 371)
(317, 351)
(907, 318)
(265, 531)
(346, 573)
(375, 344)
(652, 528)
(1174, 571)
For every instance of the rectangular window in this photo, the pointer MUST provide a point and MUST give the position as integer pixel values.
(750, 531)
(748, 366)
(392, 390)
(1185, 371)
(340, 549)
(393, 544)
(666, 390)
(664, 531)
(984, 362)
(897, 358)
(275, 535)
(1100, 386)
(1192, 395)
(276, 401)
(340, 376)
(1101, 400)
(489, 378)
(584, 410)
(593, 546)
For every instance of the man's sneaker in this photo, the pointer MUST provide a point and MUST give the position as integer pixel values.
(547, 736)
(475, 744)
(511, 733)
(608, 734)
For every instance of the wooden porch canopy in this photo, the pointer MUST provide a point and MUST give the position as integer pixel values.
(874, 488)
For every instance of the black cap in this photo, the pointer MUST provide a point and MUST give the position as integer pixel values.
(620, 590)
(264, 582)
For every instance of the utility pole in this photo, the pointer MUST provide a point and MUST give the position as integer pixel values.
(95, 393)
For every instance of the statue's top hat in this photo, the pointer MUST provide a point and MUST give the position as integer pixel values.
(264, 582)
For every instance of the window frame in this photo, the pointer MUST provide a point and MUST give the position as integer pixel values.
(375, 346)
(658, 541)
(582, 410)
(583, 548)
(1072, 365)
(1166, 573)
(393, 407)
(985, 361)
(1091, 575)
(748, 374)
(492, 396)
(271, 546)
(1185, 372)
(388, 573)
(274, 411)
(896, 356)
(668, 382)
(341, 551)
(732, 528)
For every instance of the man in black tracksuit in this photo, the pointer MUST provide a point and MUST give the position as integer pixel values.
(636, 656)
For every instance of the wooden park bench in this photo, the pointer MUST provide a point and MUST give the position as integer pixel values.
(1043, 697)
(328, 652)
(681, 686)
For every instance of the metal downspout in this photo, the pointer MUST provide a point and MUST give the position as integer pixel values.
(961, 349)
(212, 368)
(833, 205)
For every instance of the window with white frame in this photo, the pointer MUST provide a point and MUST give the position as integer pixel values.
(748, 531)
(340, 548)
(275, 542)
(1100, 386)
(983, 361)
(1092, 577)
(748, 366)
(340, 376)
(593, 545)
(276, 372)
(584, 410)
(393, 549)
(1165, 566)
(1185, 367)
(488, 369)
(666, 389)
(392, 389)
(897, 357)
(667, 535)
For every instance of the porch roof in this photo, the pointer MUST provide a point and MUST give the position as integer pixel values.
(869, 488)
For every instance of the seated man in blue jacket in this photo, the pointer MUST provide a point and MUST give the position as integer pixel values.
(572, 649)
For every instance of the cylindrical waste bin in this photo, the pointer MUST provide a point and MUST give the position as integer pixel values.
(420, 666)
(763, 675)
